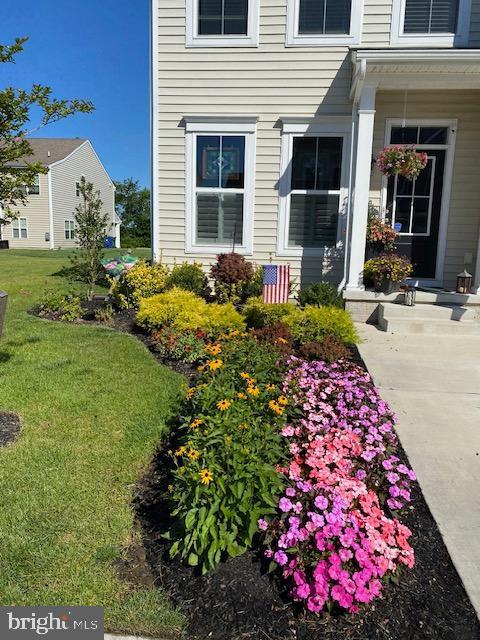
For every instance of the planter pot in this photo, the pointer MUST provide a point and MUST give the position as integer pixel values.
(387, 286)
(3, 308)
(4, 244)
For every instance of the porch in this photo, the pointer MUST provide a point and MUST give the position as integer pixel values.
(430, 98)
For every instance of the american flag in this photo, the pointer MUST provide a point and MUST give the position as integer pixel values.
(276, 283)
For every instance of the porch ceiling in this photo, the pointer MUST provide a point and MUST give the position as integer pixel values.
(389, 69)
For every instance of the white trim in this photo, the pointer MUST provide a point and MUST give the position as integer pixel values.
(154, 132)
(245, 127)
(294, 39)
(193, 39)
(460, 38)
(452, 126)
(416, 55)
(312, 128)
(50, 209)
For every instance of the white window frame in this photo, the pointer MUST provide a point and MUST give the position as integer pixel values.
(219, 126)
(70, 229)
(17, 226)
(36, 184)
(331, 127)
(460, 38)
(194, 39)
(294, 39)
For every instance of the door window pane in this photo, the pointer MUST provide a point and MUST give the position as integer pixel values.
(433, 135)
(430, 16)
(324, 16)
(223, 17)
(424, 181)
(420, 215)
(313, 220)
(402, 215)
(404, 135)
(219, 218)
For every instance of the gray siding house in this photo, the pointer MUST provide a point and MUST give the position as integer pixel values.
(267, 116)
(47, 219)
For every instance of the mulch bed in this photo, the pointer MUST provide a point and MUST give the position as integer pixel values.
(10, 426)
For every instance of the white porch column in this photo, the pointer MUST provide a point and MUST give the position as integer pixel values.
(476, 275)
(363, 167)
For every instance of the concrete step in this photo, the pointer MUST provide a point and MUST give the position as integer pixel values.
(428, 320)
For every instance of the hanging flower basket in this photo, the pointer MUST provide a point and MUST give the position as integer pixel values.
(403, 160)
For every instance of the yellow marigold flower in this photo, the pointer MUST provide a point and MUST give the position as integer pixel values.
(243, 426)
(241, 395)
(213, 349)
(245, 376)
(180, 451)
(196, 423)
(191, 391)
(253, 391)
(206, 476)
(223, 405)
(270, 387)
(193, 454)
(215, 364)
(282, 400)
(275, 407)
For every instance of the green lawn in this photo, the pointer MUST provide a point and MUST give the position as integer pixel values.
(94, 405)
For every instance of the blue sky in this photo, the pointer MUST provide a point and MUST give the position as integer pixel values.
(93, 49)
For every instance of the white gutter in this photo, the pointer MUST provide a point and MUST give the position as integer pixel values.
(154, 112)
(416, 55)
(50, 208)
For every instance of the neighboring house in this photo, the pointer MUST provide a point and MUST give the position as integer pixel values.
(267, 115)
(47, 219)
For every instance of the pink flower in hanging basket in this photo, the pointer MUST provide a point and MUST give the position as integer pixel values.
(403, 160)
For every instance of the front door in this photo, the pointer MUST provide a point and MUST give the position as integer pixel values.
(414, 209)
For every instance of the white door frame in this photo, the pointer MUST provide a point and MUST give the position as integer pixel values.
(449, 149)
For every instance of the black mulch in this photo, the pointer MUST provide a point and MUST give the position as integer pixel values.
(9, 427)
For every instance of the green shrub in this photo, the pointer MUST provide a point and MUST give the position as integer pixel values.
(224, 476)
(330, 349)
(187, 346)
(182, 310)
(141, 281)
(312, 324)
(191, 277)
(64, 306)
(258, 314)
(104, 314)
(320, 294)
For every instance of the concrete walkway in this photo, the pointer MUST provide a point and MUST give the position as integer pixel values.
(433, 385)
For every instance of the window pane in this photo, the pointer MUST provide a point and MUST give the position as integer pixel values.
(433, 135)
(402, 214)
(304, 163)
(219, 218)
(430, 16)
(313, 221)
(208, 161)
(209, 17)
(420, 215)
(236, 17)
(329, 163)
(311, 17)
(404, 186)
(233, 162)
(404, 135)
(337, 17)
(423, 182)
(16, 232)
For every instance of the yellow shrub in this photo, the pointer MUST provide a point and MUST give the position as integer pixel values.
(221, 318)
(258, 314)
(141, 281)
(312, 324)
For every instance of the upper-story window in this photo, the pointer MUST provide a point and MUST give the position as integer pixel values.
(324, 22)
(222, 23)
(430, 22)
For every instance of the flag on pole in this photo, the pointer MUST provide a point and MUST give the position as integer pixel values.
(276, 283)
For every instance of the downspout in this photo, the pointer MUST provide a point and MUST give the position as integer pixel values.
(50, 208)
(154, 203)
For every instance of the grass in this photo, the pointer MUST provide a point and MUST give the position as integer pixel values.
(94, 405)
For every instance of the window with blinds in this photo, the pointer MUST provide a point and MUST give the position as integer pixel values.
(220, 189)
(222, 17)
(20, 229)
(430, 16)
(324, 17)
(315, 191)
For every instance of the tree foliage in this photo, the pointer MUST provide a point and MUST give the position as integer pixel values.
(132, 204)
(90, 227)
(15, 125)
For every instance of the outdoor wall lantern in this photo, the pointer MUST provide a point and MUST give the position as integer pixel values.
(464, 282)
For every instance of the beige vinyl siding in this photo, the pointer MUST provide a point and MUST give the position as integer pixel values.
(36, 212)
(464, 214)
(475, 24)
(65, 174)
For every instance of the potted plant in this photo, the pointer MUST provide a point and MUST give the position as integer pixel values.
(403, 160)
(387, 271)
(380, 235)
(3, 308)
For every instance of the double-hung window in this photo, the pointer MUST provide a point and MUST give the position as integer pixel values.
(34, 189)
(20, 229)
(434, 22)
(313, 189)
(324, 22)
(220, 175)
(69, 229)
(222, 23)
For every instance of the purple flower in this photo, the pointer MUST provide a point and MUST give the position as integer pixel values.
(285, 505)
(262, 524)
(321, 503)
(281, 558)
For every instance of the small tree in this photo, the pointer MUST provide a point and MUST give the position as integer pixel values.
(90, 228)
